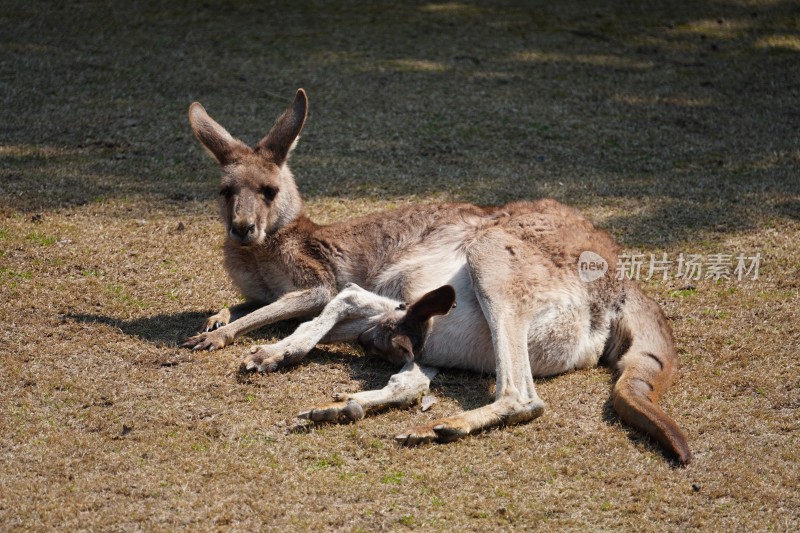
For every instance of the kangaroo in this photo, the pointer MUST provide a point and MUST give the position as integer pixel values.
(523, 309)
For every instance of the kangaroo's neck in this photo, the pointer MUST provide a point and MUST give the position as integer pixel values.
(288, 204)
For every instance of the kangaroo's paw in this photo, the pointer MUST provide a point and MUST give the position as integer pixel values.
(442, 430)
(270, 357)
(264, 358)
(417, 435)
(461, 425)
(524, 413)
(212, 340)
(340, 411)
(217, 321)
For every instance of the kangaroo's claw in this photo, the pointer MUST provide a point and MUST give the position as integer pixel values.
(217, 321)
(216, 325)
(213, 340)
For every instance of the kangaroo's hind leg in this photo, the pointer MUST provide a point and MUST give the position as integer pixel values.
(503, 271)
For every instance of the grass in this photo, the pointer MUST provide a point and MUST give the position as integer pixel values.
(671, 124)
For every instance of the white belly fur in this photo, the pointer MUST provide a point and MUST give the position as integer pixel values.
(559, 334)
(559, 331)
(559, 339)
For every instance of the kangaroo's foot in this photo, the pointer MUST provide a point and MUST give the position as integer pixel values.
(263, 358)
(438, 431)
(271, 357)
(501, 412)
(344, 410)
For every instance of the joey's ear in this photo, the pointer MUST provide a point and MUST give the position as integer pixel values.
(436, 302)
(281, 138)
(404, 343)
(214, 137)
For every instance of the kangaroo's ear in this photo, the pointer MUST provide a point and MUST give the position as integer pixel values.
(403, 342)
(436, 302)
(214, 137)
(282, 137)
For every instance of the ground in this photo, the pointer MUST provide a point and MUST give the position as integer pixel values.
(674, 125)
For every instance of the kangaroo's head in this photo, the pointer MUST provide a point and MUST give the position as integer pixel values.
(257, 191)
(400, 334)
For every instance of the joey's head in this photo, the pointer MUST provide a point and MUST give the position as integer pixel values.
(257, 192)
(400, 334)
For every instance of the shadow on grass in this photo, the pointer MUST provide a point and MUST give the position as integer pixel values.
(169, 330)
(789, 208)
(682, 107)
(468, 389)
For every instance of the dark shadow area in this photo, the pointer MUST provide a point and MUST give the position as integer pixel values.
(687, 109)
(468, 389)
(789, 208)
(170, 330)
(161, 330)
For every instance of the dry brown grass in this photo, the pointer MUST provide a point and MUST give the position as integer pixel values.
(673, 124)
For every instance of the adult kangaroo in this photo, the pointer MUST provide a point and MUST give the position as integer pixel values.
(523, 309)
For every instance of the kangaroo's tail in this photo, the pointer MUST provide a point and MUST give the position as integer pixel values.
(642, 350)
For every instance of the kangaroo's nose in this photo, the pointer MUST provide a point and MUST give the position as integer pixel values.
(243, 231)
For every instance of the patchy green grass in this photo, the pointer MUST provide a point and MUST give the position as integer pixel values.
(683, 293)
(671, 124)
(41, 239)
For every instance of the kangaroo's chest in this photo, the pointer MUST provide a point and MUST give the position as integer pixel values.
(259, 277)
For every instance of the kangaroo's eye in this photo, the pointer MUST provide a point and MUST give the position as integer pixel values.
(269, 193)
(227, 192)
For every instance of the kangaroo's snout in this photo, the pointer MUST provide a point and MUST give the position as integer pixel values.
(244, 232)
